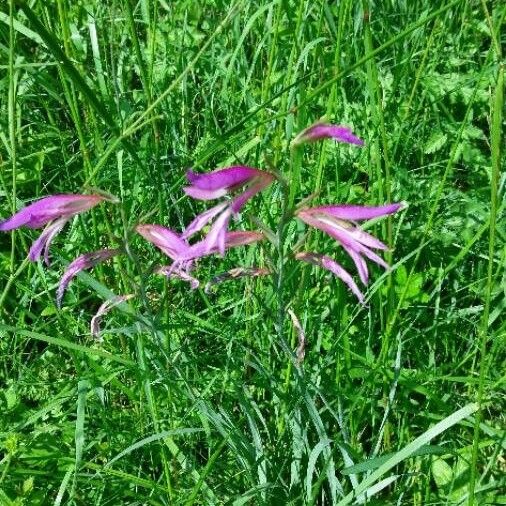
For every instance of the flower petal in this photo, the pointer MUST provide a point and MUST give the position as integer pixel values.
(366, 239)
(360, 263)
(50, 208)
(242, 238)
(327, 131)
(356, 213)
(82, 262)
(215, 239)
(199, 194)
(331, 265)
(165, 239)
(104, 309)
(44, 240)
(201, 220)
(263, 181)
(225, 178)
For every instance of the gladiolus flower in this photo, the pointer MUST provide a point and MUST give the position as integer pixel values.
(220, 183)
(86, 261)
(320, 131)
(53, 211)
(339, 222)
(183, 254)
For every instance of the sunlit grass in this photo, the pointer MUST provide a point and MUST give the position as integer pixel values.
(193, 397)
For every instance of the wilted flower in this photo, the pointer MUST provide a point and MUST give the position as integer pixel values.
(103, 310)
(86, 261)
(338, 222)
(53, 211)
(220, 183)
(320, 131)
(235, 273)
(183, 254)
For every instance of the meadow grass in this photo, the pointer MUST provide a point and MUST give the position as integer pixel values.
(195, 397)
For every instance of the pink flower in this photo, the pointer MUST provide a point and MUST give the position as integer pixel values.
(320, 131)
(53, 211)
(339, 222)
(183, 254)
(220, 183)
(86, 261)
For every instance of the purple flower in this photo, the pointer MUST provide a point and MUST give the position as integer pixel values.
(53, 211)
(86, 261)
(339, 222)
(165, 239)
(220, 183)
(183, 254)
(326, 131)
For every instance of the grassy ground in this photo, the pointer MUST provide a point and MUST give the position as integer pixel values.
(193, 397)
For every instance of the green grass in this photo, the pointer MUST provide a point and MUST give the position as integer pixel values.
(195, 397)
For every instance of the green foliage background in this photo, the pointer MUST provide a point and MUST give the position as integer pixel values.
(192, 397)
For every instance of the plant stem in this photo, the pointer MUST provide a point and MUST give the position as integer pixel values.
(496, 133)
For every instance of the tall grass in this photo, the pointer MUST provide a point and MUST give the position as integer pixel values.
(195, 397)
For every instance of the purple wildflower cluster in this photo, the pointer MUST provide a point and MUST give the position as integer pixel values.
(235, 186)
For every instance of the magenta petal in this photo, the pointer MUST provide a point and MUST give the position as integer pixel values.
(372, 256)
(366, 239)
(359, 262)
(50, 208)
(232, 240)
(326, 131)
(44, 240)
(215, 239)
(223, 178)
(239, 201)
(86, 261)
(201, 220)
(165, 239)
(332, 266)
(199, 194)
(356, 213)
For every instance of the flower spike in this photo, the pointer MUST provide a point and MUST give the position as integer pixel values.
(339, 221)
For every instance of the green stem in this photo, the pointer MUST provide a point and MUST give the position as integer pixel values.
(12, 126)
(496, 133)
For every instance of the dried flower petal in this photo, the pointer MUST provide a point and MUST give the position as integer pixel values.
(236, 273)
(103, 310)
(301, 347)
